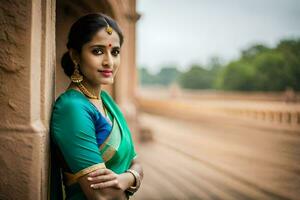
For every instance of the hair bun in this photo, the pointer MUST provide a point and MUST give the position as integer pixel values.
(67, 64)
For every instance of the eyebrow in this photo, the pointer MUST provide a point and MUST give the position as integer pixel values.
(102, 46)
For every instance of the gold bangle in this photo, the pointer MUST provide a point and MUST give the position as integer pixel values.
(132, 189)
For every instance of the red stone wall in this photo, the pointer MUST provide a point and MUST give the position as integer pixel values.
(32, 39)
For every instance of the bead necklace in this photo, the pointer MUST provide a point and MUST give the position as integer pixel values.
(91, 96)
(86, 92)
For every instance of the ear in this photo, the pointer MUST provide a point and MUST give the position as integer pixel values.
(74, 56)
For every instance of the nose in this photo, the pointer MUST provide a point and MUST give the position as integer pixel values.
(107, 60)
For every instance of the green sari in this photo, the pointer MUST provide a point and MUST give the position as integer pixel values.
(82, 141)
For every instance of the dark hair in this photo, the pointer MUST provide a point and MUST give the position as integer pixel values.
(82, 32)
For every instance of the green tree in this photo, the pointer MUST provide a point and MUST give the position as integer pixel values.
(271, 75)
(146, 78)
(196, 78)
(259, 68)
(290, 48)
(265, 69)
(167, 76)
(237, 75)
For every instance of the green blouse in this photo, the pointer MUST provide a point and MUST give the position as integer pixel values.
(87, 140)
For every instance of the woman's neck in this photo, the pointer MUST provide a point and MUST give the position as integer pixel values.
(94, 89)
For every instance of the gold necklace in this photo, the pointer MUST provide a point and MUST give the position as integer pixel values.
(86, 92)
(91, 96)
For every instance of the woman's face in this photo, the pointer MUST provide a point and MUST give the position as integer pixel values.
(100, 58)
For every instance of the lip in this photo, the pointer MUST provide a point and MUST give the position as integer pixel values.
(106, 72)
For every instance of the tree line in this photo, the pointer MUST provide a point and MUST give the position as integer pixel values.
(258, 68)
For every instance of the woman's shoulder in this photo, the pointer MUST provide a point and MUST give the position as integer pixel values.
(109, 101)
(106, 97)
(71, 100)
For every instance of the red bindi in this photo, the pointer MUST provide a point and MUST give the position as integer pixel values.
(109, 45)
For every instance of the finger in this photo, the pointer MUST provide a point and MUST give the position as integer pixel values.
(99, 172)
(113, 183)
(102, 178)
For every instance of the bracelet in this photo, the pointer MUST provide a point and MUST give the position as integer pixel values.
(131, 190)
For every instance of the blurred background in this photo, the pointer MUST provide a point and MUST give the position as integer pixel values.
(218, 97)
(210, 90)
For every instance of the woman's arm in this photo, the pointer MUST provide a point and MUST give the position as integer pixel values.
(136, 165)
(105, 178)
(105, 193)
(73, 131)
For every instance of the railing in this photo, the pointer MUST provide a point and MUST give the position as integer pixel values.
(281, 114)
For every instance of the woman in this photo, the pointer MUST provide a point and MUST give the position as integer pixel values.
(91, 142)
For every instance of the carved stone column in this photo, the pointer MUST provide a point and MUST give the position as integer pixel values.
(26, 94)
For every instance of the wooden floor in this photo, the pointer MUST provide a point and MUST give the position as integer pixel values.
(216, 159)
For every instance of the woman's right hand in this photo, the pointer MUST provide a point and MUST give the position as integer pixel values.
(106, 193)
(104, 178)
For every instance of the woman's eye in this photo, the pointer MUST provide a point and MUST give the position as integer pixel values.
(115, 52)
(97, 51)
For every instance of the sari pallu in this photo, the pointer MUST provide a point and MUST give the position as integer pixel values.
(116, 150)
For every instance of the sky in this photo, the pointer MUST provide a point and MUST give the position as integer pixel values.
(184, 32)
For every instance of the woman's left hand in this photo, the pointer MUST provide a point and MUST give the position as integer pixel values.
(105, 178)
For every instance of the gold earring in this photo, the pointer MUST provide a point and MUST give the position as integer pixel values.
(76, 77)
